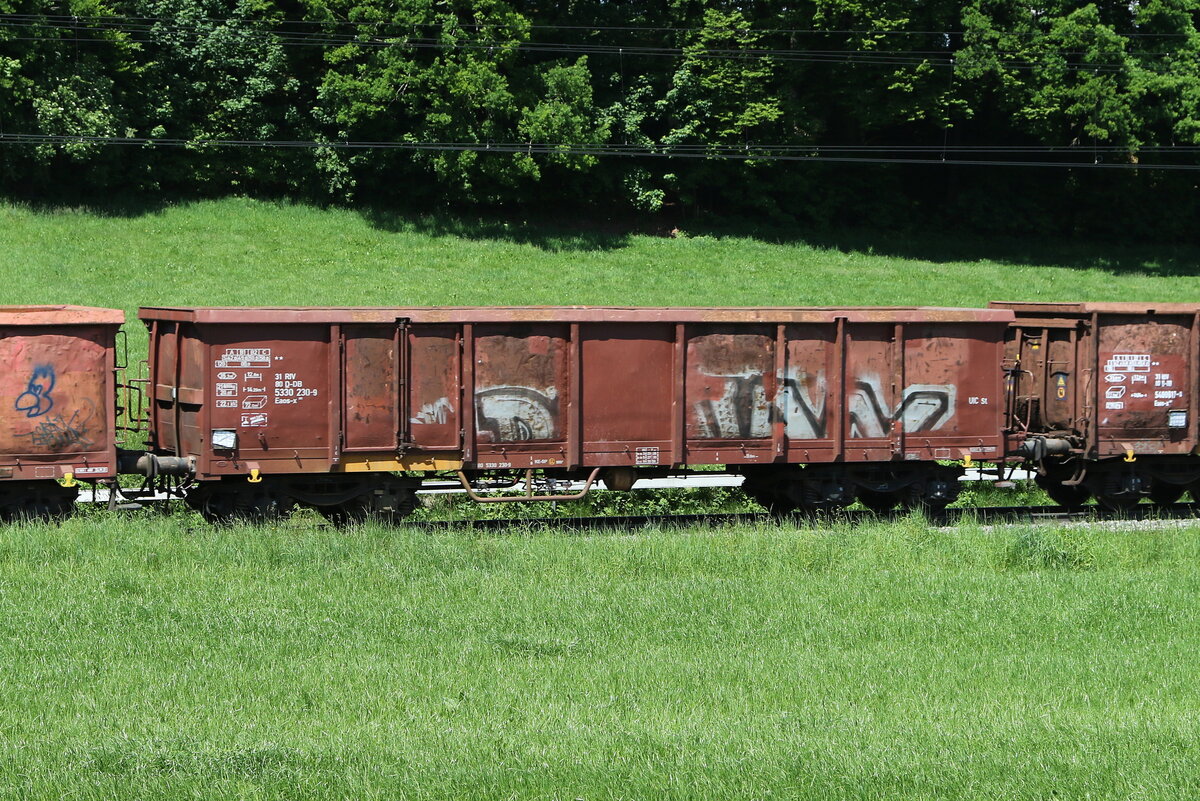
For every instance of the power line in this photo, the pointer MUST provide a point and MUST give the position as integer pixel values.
(736, 153)
(588, 28)
(857, 57)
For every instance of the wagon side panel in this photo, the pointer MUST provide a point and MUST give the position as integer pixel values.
(274, 387)
(1146, 384)
(627, 392)
(806, 398)
(521, 393)
(953, 397)
(371, 360)
(164, 356)
(435, 389)
(57, 401)
(730, 386)
(872, 382)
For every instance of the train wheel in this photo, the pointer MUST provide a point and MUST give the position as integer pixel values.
(779, 508)
(767, 495)
(1118, 492)
(198, 498)
(37, 502)
(226, 503)
(1118, 503)
(1065, 495)
(920, 503)
(388, 506)
(773, 503)
(934, 493)
(345, 514)
(819, 491)
(878, 502)
(262, 506)
(1164, 494)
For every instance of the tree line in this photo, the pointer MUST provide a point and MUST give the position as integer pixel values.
(989, 115)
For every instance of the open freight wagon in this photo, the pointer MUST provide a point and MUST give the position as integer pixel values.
(57, 405)
(1104, 398)
(345, 409)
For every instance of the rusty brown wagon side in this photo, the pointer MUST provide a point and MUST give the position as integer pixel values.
(1103, 398)
(57, 405)
(816, 406)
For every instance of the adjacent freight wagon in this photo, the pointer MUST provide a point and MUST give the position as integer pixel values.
(1104, 399)
(347, 410)
(57, 405)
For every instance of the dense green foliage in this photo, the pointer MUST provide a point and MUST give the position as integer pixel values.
(663, 76)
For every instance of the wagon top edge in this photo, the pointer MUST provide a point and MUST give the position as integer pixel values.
(1086, 307)
(569, 314)
(59, 315)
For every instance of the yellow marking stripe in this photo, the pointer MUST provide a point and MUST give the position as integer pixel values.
(358, 463)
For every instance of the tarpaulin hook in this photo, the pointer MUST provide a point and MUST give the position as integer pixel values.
(254, 478)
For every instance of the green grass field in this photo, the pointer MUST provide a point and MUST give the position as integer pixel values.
(242, 252)
(149, 656)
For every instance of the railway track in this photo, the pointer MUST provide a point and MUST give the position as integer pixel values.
(996, 515)
(692, 481)
(991, 515)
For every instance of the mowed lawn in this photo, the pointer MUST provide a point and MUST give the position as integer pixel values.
(151, 658)
(148, 656)
(243, 252)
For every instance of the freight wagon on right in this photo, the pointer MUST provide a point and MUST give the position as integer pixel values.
(1102, 399)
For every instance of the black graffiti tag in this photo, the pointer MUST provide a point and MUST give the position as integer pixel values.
(515, 414)
(57, 433)
(924, 408)
(36, 401)
(742, 412)
(813, 414)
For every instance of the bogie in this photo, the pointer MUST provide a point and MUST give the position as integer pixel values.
(342, 501)
(1054, 480)
(880, 488)
(1164, 493)
(878, 502)
(36, 501)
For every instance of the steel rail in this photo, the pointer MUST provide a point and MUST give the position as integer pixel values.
(984, 515)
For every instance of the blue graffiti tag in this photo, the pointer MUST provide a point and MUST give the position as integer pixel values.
(35, 400)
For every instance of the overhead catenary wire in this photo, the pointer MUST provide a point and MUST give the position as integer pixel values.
(739, 153)
(147, 34)
(135, 25)
(739, 148)
(586, 28)
(846, 58)
(133, 30)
